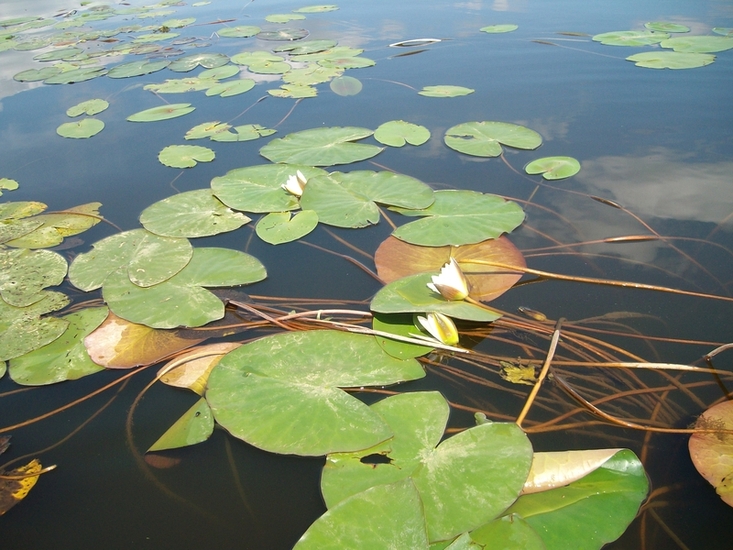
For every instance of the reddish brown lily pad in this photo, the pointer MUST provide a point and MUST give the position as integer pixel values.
(712, 453)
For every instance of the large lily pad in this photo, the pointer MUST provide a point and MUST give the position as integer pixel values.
(185, 156)
(182, 300)
(412, 295)
(191, 214)
(148, 259)
(671, 60)
(484, 139)
(84, 128)
(396, 259)
(396, 133)
(711, 452)
(460, 217)
(206, 60)
(321, 147)
(259, 188)
(65, 358)
(281, 393)
(282, 35)
(164, 112)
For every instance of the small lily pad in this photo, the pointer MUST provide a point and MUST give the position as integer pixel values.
(630, 38)
(279, 227)
(246, 132)
(76, 75)
(396, 133)
(283, 17)
(241, 31)
(554, 168)
(317, 9)
(8, 185)
(207, 129)
(345, 85)
(296, 91)
(194, 426)
(137, 68)
(90, 107)
(282, 35)
(308, 46)
(206, 60)
(711, 452)
(185, 156)
(445, 91)
(666, 26)
(228, 89)
(82, 129)
(163, 112)
(484, 139)
(36, 75)
(497, 29)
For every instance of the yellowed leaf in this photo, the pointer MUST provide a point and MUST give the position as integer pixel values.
(712, 453)
(557, 469)
(15, 484)
(191, 369)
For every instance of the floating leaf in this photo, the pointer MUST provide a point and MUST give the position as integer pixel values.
(346, 62)
(90, 107)
(261, 62)
(283, 17)
(308, 46)
(76, 75)
(85, 128)
(147, 258)
(321, 147)
(65, 358)
(22, 329)
(207, 129)
(282, 35)
(195, 426)
(240, 31)
(163, 112)
(557, 469)
(259, 188)
(698, 44)
(554, 168)
(508, 530)
(345, 86)
(310, 75)
(191, 214)
(295, 91)
(36, 75)
(484, 139)
(317, 9)
(219, 73)
(25, 273)
(396, 133)
(155, 37)
(178, 23)
(445, 91)
(120, 344)
(412, 295)
(385, 516)
(281, 393)
(181, 300)
(246, 132)
(666, 26)
(396, 259)
(191, 369)
(563, 514)
(460, 217)
(497, 29)
(671, 60)
(725, 31)
(16, 483)
(8, 185)
(185, 156)
(183, 85)
(137, 68)
(52, 228)
(630, 38)
(279, 227)
(228, 89)
(711, 452)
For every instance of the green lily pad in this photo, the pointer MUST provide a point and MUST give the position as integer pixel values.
(295, 91)
(205, 60)
(155, 37)
(666, 26)
(191, 214)
(195, 426)
(283, 17)
(181, 85)
(22, 329)
(281, 393)
(82, 129)
(279, 227)
(54, 227)
(207, 129)
(554, 168)
(320, 8)
(630, 38)
(25, 273)
(698, 44)
(240, 31)
(345, 86)
(396, 133)
(181, 300)
(219, 73)
(178, 23)
(76, 75)
(510, 529)
(185, 156)
(259, 188)
(724, 31)
(401, 324)
(59, 55)
(282, 35)
(671, 60)
(261, 61)
(228, 89)
(148, 259)
(346, 62)
(65, 358)
(164, 112)
(384, 516)
(337, 52)
(460, 217)
(445, 90)
(497, 29)
(246, 132)
(321, 147)
(308, 46)
(6, 184)
(36, 75)
(310, 75)
(484, 139)
(90, 107)
(137, 68)
(412, 295)
(566, 513)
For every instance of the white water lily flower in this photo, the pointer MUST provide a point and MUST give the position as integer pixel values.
(450, 283)
(295, 184)
(441, 327)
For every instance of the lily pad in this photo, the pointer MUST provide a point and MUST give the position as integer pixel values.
(711, 452)
(25, 273)
(283, 17)
(137, 68)
(281, 393)
(460, 217)
(207, 129)
(259, 188)
(155, 37)
(666, 26)
(191, 369)
(262, 62)
(191, 214)
(219, 73)
(345, 86)
(205, 60)
(396, 259)
(484, 139)
(279, 227)
(36, 75)
(671, 60)
(282, 35)
(698, 44)
(164, 112)
(310, 75)
(295, 91)
(320, 8)
(400, 324)
(181, 300)
(412, 295)
(308, 46)
(396, 133)
(90, 107)
(246, 132)
(76, 75)
(6, 184)
(228, 89)
(181, 85)
(54, 227)
(240, 31)
(630, 38)
(147, 258)
(346, 62)
(84, 128)
(185, 156)
(445, 90)
(321, 147)
(65, 358)
(497, 29)
(554, 168)
(194, 426)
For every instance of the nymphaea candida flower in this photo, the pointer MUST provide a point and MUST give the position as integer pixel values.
(450, 283)
(295, 184)
(441, 327)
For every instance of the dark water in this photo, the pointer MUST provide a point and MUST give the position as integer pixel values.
(658, 143)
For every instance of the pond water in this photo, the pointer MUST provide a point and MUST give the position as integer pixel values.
(656, 142)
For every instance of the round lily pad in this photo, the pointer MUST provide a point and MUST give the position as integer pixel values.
(137, 68)
(280, 227)
(163, 112)
(317, 9)
(185, 156)
(498, 29)
(89, 107)
(671, 60)
(630, 38)
(36, 75)
(484, 139)
(396, 133)
(228, 89)
(711, 453)
(84, 128)
(206, 60)
(308, 46)
(554, 168)
(240, 31)
(282, 34)
(345, 85)
(321, 147)
(445, 91)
